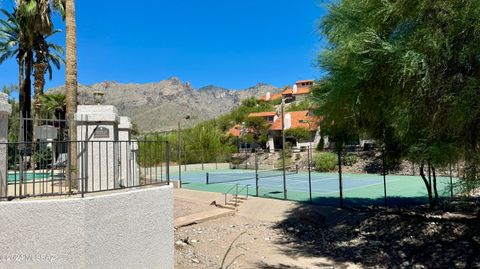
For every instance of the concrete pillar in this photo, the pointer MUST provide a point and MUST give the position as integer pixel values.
(271, 144)
(98, 151)
(129, 173)
(5, 111)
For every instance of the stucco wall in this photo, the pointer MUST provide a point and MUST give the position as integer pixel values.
(5, 110)
(131, 229)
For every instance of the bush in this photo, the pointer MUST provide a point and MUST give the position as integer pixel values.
(373, 167)
(350, 160)
(325, 161)
(279, 163)
(321, 144)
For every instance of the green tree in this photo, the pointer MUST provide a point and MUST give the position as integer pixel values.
(47, 55)
(301, 134)
(16, 41)
(406, 74)
(260, 128)
(53, 105)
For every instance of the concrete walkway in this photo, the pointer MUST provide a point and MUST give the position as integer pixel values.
(203, 216)
(195, 207)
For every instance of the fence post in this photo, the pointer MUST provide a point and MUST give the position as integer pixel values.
(21, 147)
(167, 157)
(451, 180)
(69, 162)
(84, 159)
(309, 173)
(384, 172)
(203, 159)
(340, 184)
(256, 174)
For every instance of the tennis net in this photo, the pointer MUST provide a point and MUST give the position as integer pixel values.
(241, 175)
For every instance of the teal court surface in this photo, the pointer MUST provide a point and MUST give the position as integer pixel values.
(358, 189)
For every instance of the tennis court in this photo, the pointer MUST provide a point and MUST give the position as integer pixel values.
(358, 189)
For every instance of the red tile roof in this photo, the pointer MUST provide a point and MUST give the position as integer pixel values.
(272, 97)
(300, 91)
(263, 114)
(296, 117)
(235, 131)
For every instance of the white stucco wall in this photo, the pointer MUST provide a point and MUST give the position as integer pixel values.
(5, 110)
(99, 162)
(130, 229)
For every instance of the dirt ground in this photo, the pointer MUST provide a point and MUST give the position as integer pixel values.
(267, 233)
(249, 239)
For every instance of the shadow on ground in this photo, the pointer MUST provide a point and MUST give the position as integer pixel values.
(413, 237)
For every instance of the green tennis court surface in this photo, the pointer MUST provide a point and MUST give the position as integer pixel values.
(358, 189)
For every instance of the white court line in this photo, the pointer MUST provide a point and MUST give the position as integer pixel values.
(347, 189)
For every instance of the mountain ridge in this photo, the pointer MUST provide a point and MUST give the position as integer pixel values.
(157, 106)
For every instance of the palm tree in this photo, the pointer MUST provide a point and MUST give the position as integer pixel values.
(54, 104)
(15, 41)
(47, 54)
(35, 17)
(71, 77)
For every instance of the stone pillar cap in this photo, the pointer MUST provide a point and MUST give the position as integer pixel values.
(5, 107)
(97, 113)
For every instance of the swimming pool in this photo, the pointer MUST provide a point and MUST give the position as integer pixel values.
(29, 177)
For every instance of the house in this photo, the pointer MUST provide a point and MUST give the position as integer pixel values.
(295, 119)
(269, 117)
(270, 97)
(305, 83)
(239, 131)
(298, 92)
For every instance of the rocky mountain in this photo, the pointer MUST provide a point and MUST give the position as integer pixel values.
(158, 106)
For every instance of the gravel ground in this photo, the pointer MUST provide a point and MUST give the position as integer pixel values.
(304, 236)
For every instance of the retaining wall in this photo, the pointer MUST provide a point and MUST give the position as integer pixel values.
(130, 229)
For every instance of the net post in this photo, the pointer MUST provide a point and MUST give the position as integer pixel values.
(207, 178)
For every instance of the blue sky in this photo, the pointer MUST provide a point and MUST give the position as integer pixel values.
(229, 43)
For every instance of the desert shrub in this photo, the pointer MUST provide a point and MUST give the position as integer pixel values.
(288, 163)
(288, 153)
(373, 167)
(350, 160)
(325, 161)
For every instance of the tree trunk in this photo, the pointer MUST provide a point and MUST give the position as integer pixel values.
(427, 184)
(21, 95)
(40, 67)
(71, 81)
(27, 106)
